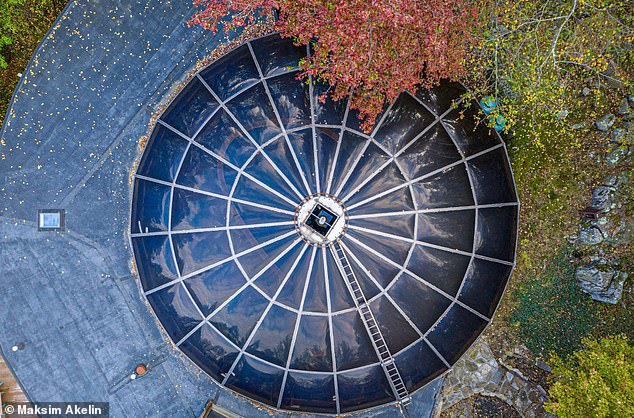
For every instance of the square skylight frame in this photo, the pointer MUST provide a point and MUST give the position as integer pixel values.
(318, 211)
(51, 219)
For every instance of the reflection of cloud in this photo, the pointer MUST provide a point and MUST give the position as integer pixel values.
(352, 344)
(198, 250)
(161, 259)
(183, 306)
(448, 228)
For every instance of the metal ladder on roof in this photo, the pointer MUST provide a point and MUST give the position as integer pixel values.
(381, 348)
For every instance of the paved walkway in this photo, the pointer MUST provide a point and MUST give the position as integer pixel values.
(69, 141)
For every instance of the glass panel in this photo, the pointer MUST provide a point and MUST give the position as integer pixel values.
(373, 158)
(212, 287)
(449, 188)
(202, 171)
(456, 332)
(398, 333)
(162, 154)
(418, 365)
(210, 351)
(272, 278)
(316, 294)
(175, 310)
(353, 347)
(194, 210)
(422, 304)
(443, 269)
(150, 207)
(492, 178)
(257, 380)
(292, 99)
(222, 136)
(365, 282)
(255, 262)
(329, 112)
(363, 388)
(440, 98)
(238, 318)
(277, 55)
(279, 152)
(292, 292)
(246, 238)
(197, 250)
(272, 340)
(395, 250)
(496, 232)
(312, 346)
(396, 225)
(302, 143)
(405, 120)
(249, 190)
(430, 152)
(386, 179)
(154, 261)
(468, 129)
(326, 147)
(309, 392)
(484, 285)
(351, 146)
(398, 200)
(191, 108)
(243, 214)
(231, 73)
(264, 171)
(253, 109)
(448, 229)
(381, 270)
(339, 295)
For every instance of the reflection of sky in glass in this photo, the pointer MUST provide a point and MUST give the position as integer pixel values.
(50, 220)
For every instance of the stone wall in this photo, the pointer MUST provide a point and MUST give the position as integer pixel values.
(479, 372)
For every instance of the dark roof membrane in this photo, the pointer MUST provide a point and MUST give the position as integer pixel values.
(429, 214)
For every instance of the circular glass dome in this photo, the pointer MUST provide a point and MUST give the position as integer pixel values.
(304, 263)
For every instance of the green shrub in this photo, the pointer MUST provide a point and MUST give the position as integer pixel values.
(551, 313)
(597, 381)
(23, 23)
(9, 25)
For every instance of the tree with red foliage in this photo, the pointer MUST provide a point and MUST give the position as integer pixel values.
(370, 50)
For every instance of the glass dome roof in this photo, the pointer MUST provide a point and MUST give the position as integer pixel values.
(247, 186)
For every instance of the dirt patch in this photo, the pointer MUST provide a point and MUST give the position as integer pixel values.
(479, 406)
(529, 370)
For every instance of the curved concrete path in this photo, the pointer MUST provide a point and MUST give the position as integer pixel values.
(70, 141)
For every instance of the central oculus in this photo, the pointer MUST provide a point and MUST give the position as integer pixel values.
(320, 219)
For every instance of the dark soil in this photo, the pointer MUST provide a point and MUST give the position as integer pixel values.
(529, 370)
(479, 406)
(489, 407)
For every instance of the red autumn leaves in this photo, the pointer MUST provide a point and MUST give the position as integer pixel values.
(368, 50)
